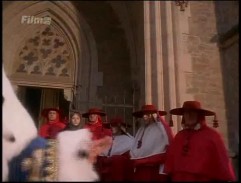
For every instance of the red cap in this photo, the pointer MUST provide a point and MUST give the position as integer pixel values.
(94, 111)
(191, 106)
(148, 109)
(45, 112)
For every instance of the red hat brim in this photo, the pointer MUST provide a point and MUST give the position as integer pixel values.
(139, 114)
(180, 111)
(45, 112)
(86, 115)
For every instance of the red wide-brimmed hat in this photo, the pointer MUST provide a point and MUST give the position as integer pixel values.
(191, 106)
(148, 109)
(45, 112)
(94, 111)
(118, 121)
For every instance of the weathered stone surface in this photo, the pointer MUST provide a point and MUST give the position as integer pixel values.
(211, 81)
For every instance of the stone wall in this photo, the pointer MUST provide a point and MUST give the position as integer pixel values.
(227, 18)
(114, 58)
(206, 80)
(227, 13)
(212, 43)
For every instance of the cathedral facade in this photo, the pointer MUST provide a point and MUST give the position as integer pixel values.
(119, 55)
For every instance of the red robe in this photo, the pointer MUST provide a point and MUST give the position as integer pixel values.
(115, 167)
(198, 155)
(147, 169)
(98, 130)
(51, 129)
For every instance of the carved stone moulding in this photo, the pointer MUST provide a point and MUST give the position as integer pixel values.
(44, 81)
(183, 4)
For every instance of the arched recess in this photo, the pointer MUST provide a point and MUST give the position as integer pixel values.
(131, 15)
(60, 55)
(46, 53)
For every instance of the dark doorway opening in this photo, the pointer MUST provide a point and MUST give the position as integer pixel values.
(34, 99)
(32, 102)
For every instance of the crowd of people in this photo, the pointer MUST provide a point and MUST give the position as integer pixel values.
(196, 153)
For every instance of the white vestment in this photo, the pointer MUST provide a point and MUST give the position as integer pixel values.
(154, 141)
(120, 145)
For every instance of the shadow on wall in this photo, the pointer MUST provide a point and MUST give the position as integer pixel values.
(227, 20)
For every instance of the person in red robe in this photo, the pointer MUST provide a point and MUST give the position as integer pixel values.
(95, 124)
(116, 164)
(53, 124)
(152, 139)
(98, 129)
(197, 152)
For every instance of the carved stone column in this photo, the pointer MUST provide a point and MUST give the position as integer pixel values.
(165, 73)
(153, 54)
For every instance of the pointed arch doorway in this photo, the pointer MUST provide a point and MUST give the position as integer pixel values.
(41, 60)
(62, 55)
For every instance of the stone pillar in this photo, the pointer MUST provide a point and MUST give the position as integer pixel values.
(183, 61)
(147, 42)
(169, 56)
(153, 54)
(157, 57)
(160, 56)
(179, 59)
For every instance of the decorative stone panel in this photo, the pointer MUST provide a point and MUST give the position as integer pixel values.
(44, 53)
